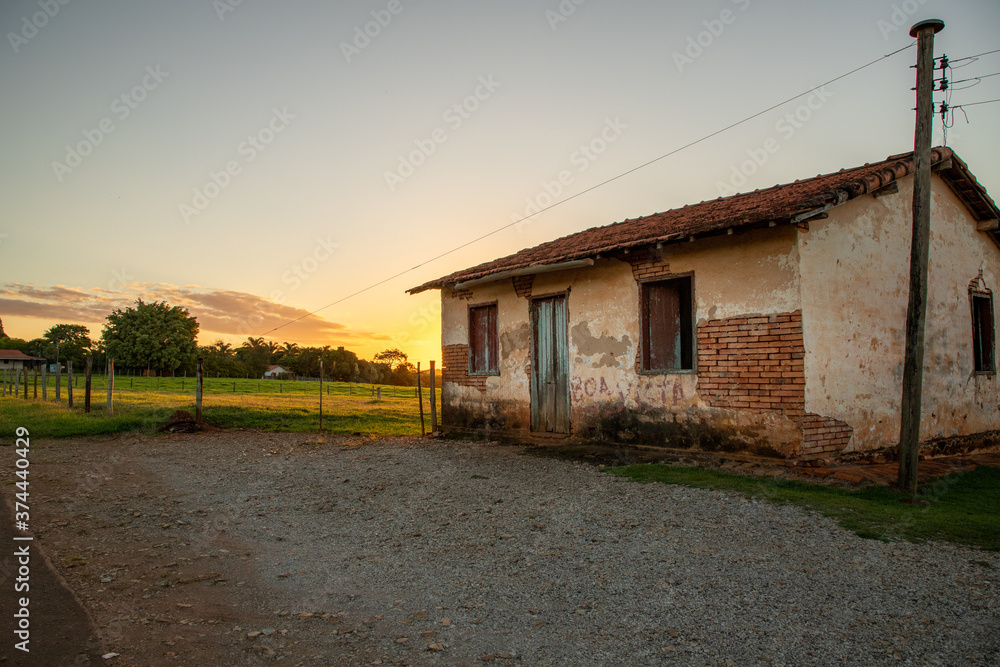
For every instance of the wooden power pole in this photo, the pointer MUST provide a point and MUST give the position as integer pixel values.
(916, 311)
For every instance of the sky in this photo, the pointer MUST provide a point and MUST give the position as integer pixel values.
(256, 161)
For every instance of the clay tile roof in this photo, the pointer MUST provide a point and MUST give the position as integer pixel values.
(781, 204)
(17, 355)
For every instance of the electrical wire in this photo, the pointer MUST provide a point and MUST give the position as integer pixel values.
(958, 60)
(975, 78)
(590, 189)
(972, 104)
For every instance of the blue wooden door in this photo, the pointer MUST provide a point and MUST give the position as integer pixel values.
(549, 366)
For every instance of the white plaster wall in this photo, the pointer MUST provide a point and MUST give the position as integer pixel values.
(752, 273)
(855, 281)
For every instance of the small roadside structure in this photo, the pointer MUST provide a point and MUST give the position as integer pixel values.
(770, 322)
(274, 372)
(16, 360)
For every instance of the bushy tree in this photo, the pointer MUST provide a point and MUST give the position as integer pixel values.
(14, 344)
(69, 342)
(151, 335)
(220, 360)
(255, 354)
(3, 334)
(390, 357)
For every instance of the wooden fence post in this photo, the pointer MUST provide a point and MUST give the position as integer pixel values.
(45, 383)
(420, 401)
(25, 384)
(36, 383)
(433, 402)
(86, 385)
(321, 394)
(58, 382)
(199, 386)
(111, 387)
(69, 384)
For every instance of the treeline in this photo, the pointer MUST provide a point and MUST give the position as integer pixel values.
(157, 339)
(256, 355)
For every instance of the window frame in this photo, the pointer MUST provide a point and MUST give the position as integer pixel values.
(493, 345)
(690, 329)
(977, 359)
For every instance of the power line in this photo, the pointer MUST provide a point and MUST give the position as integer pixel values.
(958, 60)
(972, 104)
(975, 78)
(590, 189)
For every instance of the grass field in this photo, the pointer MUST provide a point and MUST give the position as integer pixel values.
(964, 507)
(270, 405)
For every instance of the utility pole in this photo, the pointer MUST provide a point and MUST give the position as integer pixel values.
(916, 311)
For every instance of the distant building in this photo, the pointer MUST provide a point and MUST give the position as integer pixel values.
(277, 371)
(16, 360)
(771, 322)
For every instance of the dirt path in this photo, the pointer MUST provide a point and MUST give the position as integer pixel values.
(245, 548)
(60, 629)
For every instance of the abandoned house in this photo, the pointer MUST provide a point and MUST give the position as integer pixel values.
(771, 322)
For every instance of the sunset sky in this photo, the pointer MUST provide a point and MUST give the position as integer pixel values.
(254, 161)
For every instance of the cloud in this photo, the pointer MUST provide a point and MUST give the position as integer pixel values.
(219, 312)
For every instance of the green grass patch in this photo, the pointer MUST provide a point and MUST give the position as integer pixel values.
(144, 404)
(963, 508)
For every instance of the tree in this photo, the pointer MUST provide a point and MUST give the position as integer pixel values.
(153, 335)
(393, 356)
(71, 340)
(255, 354)
(14, 344)
(2, 334)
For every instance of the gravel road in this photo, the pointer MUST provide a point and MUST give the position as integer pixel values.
(292, 550)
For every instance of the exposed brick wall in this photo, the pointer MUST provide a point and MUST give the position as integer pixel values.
(522, 285)
(755, 364)
(461, 294)
(824, 435)
(647, 264)
(456, 368)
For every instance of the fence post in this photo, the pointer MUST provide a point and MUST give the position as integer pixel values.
(111, 387)
(58, 381)
(25, 384)
(86, 385)
(4, 393)
(433, 402)
(198, 389)
(420, 401)
(36, 383)
(45, 383)
(321, 394)
(69, 383)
